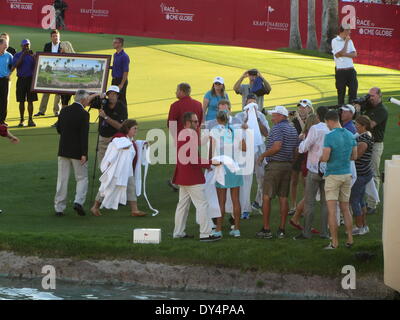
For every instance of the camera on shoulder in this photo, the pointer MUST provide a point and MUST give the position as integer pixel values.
(361, 100)
(98, 103)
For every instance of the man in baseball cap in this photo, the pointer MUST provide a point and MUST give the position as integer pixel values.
(112, 89)
(279, 110)
(24, 62)
(281, 147)
(347, 114)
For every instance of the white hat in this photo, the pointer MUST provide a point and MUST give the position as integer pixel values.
(281, 110)
(113, 88)
(348, 107)
(219, 79)
(305, 103)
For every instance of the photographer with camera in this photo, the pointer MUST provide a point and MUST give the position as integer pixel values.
(112, 112)
(371, 105)
(24, 62)
(245, 89)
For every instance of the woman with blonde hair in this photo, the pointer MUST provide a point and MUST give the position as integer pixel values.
(312, 119)
(299, 119)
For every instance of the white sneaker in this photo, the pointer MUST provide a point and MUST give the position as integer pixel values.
(366, 230)
(358, 231)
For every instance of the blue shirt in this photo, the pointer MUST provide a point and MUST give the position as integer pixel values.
(26, 67)
(5, 64)
(341, 142)
(121, 64)
(212, 108)
(287, 134)
(350, 126)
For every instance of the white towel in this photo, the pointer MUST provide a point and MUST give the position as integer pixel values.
(253, 124)
(371, 191)
(219, 175)
(214, 210)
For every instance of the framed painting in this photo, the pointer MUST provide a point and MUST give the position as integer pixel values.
(65, 73)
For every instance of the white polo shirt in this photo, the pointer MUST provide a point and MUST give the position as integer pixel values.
(54, 47)
(337, 46)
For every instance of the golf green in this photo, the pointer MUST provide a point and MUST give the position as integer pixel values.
(28, 171)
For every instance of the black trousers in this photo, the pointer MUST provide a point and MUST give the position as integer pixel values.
(4, 85)
(122, 92)
(346, 78)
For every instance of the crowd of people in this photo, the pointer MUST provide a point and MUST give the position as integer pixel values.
(333, 152)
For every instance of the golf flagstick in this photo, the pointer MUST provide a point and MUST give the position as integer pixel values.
(146, 150)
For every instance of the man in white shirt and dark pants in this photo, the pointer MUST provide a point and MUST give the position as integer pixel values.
(53, 47)
(346, 76)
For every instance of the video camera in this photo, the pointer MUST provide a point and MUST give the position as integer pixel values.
(98, 103)
(361, 100)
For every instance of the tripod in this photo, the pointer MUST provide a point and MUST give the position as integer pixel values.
(95, 163)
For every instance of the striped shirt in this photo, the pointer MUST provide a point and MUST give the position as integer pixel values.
(287, 134)
(364, 164)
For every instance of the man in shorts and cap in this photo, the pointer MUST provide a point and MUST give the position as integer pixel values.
(281, 147)
(24, 62)
(245, 89)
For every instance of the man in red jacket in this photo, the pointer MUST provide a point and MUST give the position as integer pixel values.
(190, 178)
(175, 117)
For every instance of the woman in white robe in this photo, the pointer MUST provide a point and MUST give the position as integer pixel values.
(118, 180)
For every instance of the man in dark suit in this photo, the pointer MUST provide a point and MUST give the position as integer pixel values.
(53, 47)
(73, 127)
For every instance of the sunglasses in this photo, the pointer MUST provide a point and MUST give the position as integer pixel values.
(303, 101)
(218, 83)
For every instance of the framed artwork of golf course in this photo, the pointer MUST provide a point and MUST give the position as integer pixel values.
(67, 73)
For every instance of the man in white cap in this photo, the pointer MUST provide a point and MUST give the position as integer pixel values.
(346, 116)
(112, 112)
(281, 147)
(24, 62)
(346, 76)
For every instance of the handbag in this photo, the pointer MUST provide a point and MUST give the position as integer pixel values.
(259, 87)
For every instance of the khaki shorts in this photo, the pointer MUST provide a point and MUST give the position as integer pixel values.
(338, 187)
(277, 179)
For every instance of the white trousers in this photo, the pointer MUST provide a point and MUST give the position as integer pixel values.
(82, 181)
(245, 190)
(195, 194)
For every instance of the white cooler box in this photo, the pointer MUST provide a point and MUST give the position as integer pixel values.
(147, 236)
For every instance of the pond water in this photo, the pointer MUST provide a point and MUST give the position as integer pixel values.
(12, 289)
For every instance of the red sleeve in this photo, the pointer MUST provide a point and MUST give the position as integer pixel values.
(171, 114)
(3, 130)
(201, 113)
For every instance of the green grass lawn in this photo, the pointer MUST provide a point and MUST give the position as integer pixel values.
(28, 170)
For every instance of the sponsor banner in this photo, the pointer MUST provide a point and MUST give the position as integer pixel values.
(20, 5)
(257, 23)
(375, 32)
